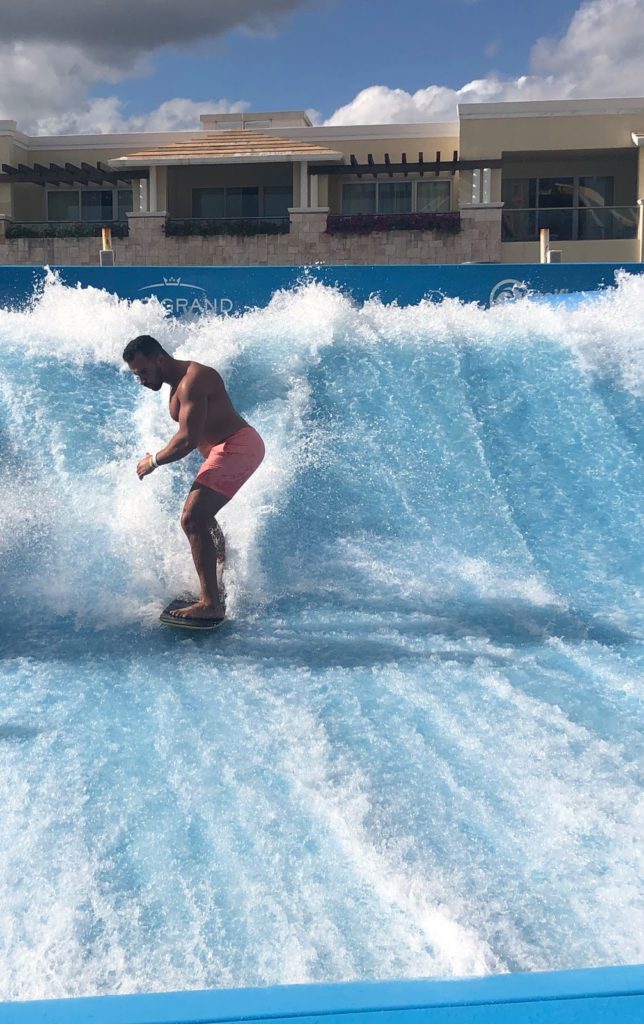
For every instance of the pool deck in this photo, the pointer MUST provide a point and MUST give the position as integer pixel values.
(603, 995)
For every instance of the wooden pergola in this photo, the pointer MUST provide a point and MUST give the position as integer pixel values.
(404, 166)
(70, 174)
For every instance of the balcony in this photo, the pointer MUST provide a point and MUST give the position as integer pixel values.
(571, 224)
(244, 226)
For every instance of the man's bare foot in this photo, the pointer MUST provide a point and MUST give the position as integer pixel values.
(199, 610)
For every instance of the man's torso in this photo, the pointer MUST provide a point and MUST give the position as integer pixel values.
(222, 419)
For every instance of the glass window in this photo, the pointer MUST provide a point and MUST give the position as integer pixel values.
(559, 221)
(63, 205)
(394, 197)
(433, 196)
(208, 202)
(358, 198)
(96, 205)
(277, 199)
(242, 202)
(519, 193)
(556, 192)
(124, 203)
(519, 225)
(596, 191)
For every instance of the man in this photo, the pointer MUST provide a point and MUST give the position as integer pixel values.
(232, 450)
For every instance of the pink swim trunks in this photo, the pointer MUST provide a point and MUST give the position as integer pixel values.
(228, 465)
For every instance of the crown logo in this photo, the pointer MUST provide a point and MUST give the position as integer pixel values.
(171, 280)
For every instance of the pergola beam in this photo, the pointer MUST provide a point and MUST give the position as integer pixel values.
(69, 174)
(404, 167)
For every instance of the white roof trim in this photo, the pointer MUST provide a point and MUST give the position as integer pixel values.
(638, 140)
(139, 140)
(245, 158)
(417, 130)
(550, 108)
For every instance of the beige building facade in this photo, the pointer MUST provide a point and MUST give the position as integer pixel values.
(271, 188)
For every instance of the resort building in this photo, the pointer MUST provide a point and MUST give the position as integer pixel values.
(272, 188)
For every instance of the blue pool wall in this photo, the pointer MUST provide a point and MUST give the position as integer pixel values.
(228, 290)
(603, 995)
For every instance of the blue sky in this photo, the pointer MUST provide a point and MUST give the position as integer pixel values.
(322, 56)
(92, 66)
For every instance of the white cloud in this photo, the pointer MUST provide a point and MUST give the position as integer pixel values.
(600, 54)
(53, 55)
(106, 115)
(44, 88)
(42, 84)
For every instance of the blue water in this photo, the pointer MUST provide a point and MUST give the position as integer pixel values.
(415, 748)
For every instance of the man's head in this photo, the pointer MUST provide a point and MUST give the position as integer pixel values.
(146, 359)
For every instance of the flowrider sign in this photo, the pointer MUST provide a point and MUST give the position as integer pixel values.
(184, 299)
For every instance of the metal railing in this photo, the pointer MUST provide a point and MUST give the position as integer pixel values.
(205, 226)
(572, 223)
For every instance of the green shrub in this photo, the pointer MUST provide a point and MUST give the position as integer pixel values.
(365, 223)
(232, 226)
(62, 229)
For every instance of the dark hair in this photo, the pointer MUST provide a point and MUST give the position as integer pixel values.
(146, 345)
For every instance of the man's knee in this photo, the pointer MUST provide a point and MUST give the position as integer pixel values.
(193, 521)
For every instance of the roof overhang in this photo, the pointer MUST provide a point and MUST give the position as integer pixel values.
(239, 158)
(550, 108)
(239, 146)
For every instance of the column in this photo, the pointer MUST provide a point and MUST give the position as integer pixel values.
(153, 190)
(304, 185)
(143, 195)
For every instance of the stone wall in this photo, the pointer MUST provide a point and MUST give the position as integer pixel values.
(479, 241)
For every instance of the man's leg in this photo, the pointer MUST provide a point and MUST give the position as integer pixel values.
(199, 511)
(219, 541)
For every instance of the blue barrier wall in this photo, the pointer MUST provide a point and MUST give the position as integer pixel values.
(195, 290)
(609, 995)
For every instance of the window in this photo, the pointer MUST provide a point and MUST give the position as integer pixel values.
(555, 197)
(242, 202)
(63, 205)
(595, 221)
(519, 193)
(358, 198)
(95, 205)
(277, 199)
(396, 197)
(124, 203)
(208, 202)
(250, 201)
(433, 196)
(573, 208)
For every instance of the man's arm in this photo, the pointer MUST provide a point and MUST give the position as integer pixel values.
(193, 408)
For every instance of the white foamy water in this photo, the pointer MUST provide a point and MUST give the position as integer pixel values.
(414, 749)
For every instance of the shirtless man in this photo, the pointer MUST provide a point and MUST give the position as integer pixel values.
(232, 451)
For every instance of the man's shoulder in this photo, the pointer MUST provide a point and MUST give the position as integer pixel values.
(199, 377)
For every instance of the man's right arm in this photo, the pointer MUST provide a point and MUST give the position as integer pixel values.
(193, 408)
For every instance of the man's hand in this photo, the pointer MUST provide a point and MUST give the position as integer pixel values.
(144, 466)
